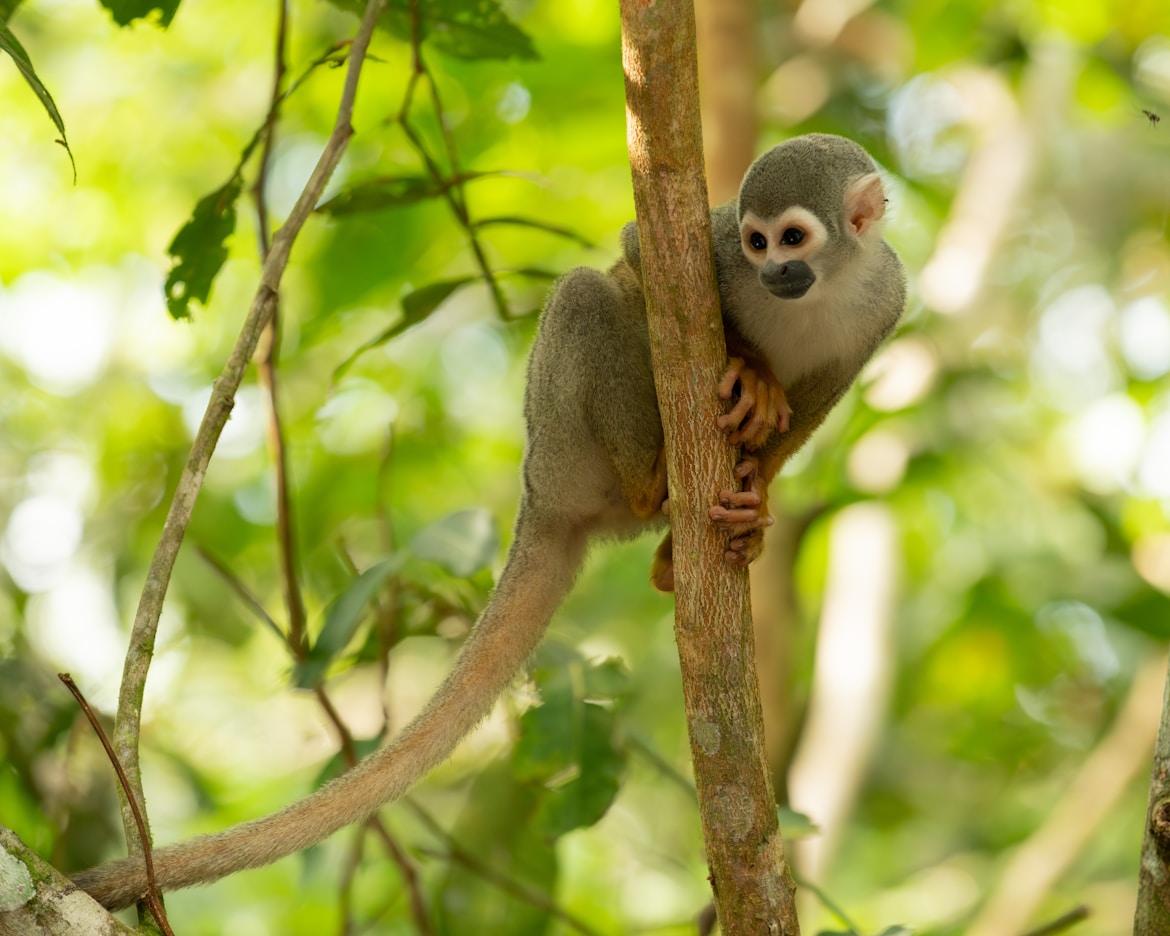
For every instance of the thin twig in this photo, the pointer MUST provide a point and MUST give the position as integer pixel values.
(454, 195)
(269, 129)
(406, 867)
(334, 55)
(1061, 923)
(831, 905)
(509, 885)
(254, 604)
(418, 905)
(141, 649)
(637, 744)
(389, 610)
(267, 363)
(345, 741)
(353, 860)
(153, 896)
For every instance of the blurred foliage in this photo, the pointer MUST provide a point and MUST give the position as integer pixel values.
(1017, 429)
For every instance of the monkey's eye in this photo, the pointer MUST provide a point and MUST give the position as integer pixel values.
(758, 241)
(792, 236)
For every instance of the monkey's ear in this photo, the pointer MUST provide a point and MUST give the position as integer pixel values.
(865, 203)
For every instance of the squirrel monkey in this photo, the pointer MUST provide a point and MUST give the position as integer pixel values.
(808, 288)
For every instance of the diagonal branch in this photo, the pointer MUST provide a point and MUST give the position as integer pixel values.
(142, 638)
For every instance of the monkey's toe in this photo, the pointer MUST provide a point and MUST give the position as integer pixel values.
(744, 550)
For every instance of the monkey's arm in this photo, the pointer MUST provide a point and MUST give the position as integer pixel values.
(744, 513)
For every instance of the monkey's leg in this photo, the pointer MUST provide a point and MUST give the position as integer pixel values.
(645, 491)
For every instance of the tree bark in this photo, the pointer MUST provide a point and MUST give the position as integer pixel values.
(35, 898)
(1152, 917)
(753, 887)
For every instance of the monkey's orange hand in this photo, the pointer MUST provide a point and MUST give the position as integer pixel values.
(761, 403)
(744, 514)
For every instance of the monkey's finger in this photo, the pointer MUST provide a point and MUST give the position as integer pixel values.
(730, 376)
(785, 420)
(757, 427)
(746, 517)
(735, 417)
(749, 498)
(736, 558)
(746, 467)
(666, 507)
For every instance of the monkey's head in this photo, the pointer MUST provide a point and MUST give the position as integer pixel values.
(807, 208)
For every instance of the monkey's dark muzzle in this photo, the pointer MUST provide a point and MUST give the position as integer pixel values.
(789, 280)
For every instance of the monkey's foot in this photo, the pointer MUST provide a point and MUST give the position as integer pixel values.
(743, 514)
(746, 549)
(762, 403)
(662, 570)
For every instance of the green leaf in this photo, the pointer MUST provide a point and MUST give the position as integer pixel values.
(7, 8)
(466, 29)
(896, 931)
(419, 304)
(607, 679)
(342, 618)
(1147, 610)
(199, 249)
(586, 788)
(126, 12)
(795, 825)
(393, 191)
(463, 543)
(383, 192)
(10, 44)
(416, 306)
(569, 745)
(538, 225)
(494, 828)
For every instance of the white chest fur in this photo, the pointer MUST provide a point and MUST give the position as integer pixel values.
(799, 336)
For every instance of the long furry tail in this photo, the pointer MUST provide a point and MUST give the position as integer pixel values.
(539, 573)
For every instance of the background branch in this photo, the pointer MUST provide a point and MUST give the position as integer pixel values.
(142, 638)
(1039, 862)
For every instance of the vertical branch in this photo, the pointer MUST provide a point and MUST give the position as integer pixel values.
(728, 79)
(753, 887)
(1089, 797)
(142, 637)
(266, 363)
(852, 677)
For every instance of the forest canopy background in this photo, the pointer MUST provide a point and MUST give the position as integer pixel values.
(1006, 458)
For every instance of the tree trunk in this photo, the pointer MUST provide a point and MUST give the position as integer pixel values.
(753, 887)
